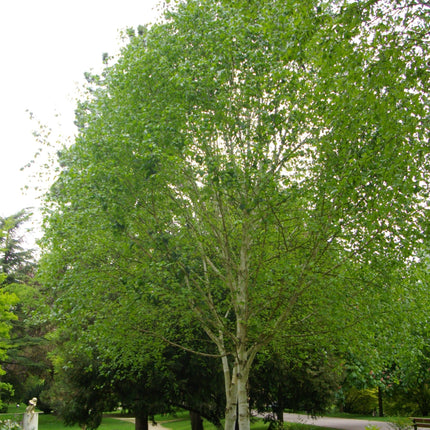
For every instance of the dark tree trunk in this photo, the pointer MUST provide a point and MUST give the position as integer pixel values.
(423, 403)
(196, 421)
(141, 420)
(380, 403)
(279, 412)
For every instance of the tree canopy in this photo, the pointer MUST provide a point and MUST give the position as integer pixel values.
(258, 168)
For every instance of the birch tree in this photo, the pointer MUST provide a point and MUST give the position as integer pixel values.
(256, 167)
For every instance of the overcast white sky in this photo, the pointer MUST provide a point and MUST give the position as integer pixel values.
(46, 46)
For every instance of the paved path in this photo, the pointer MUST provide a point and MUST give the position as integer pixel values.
(151, 425)
(336, 423)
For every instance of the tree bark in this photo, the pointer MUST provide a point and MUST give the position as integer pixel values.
(380, 403)
(237, 407)
(244, 418)
(141, 417)
(231, 399)
(278, 409)
(196, 421)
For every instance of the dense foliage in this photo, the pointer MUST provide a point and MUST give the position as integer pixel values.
(16, 268)
(258, 169)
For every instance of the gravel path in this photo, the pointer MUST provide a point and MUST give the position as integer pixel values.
(151, 426)
(336, 423)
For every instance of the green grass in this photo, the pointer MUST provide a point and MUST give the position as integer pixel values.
(179, 420)
(178, 415)
(51, 422)
(358, 416)
(109, 423)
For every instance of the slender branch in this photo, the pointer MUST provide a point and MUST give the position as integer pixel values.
(180, 346)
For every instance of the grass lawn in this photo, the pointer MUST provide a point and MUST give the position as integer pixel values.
(50, 422)
(257, 425)
(177, 421)
(359, 417)
(181, 421)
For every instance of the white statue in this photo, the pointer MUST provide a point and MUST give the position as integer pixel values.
(31, 421)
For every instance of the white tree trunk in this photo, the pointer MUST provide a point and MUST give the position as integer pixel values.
(230, 395)
(231, 408)
(242, 399)
(239, 379)
(237, 406)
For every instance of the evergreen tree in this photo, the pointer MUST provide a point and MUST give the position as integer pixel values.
(27, 367)
(15, 260)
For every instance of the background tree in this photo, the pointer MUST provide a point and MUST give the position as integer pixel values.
(27, 366)
(15, 260)
(15, 265)
(198, 386)
(80, 394)
(406, 383)
(305, 381)
(375, 358)
(411, 385)
(145, 376)
(6, 302)
(255, 166)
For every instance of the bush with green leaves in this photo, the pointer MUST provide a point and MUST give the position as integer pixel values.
(361, 401)
(401, 423)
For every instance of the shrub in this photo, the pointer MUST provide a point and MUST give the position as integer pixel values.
(401, 423)
(361, 401)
